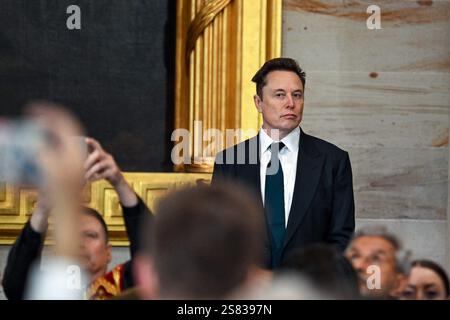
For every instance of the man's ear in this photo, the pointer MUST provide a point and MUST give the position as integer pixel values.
(145, 277)
(258, 102)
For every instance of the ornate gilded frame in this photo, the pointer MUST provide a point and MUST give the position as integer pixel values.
(220, 45)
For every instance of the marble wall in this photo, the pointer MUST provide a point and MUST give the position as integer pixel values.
(384, 96)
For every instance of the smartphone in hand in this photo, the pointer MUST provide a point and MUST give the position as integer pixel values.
(21, 143)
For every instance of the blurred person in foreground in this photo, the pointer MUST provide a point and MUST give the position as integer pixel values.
(204, 244)
(380, 262)
(426, 281)
(88, 232)
(326, 269)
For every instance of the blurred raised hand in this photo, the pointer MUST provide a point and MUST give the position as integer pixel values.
(61, 163)
(62, 160)
(99, 164)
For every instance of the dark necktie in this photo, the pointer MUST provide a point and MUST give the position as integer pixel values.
(274, 202)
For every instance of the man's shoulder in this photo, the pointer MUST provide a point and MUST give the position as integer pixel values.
(323, 146)
(108, 285)
(244, 145)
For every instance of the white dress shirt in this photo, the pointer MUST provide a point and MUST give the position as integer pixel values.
(288, 160)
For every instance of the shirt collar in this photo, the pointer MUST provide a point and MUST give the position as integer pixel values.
(291, 141)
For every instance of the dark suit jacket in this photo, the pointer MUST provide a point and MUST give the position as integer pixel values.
(322, 207)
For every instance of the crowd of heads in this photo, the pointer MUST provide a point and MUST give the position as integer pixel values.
(206, 243)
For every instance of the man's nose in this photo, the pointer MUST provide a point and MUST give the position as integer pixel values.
(360, 265)
(290, 101)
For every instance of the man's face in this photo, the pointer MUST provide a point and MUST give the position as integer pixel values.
(281, 103)
(95, 252)
(366, 251)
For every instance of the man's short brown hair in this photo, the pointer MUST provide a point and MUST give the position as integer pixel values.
(282, 64)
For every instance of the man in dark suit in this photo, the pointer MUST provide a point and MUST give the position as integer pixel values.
(305, 183)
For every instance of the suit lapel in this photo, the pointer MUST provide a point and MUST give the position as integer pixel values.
(309, 170)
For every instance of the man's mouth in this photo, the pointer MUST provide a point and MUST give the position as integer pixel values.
(83, 258)
(362, 278)
(289, 116)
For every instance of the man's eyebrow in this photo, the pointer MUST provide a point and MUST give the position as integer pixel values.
(90, 232)
(380, 252)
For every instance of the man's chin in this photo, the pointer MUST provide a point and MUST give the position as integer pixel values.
(371, 293)
(84, 263)
(290, 125)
